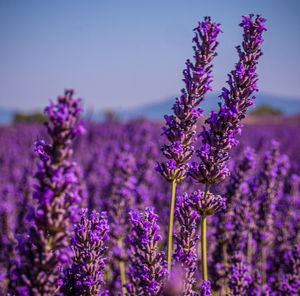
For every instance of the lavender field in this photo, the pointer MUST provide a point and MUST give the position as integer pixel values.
(194, 205)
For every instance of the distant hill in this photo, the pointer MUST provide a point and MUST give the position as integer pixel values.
(158, 109)
(6, 116)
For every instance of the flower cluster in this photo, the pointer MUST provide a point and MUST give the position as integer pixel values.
(148, 268)
(239, 278)
(223, 126)
(85, 277)
(205, 288)
(238, 205)
(289, 283)
(63, 124)
(266, 193)
(119, 198)
(236, 187)
(58, 195)
(186, 242)
(232, 223)
(206, 205)
(180, 128)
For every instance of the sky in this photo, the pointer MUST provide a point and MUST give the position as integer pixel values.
(129, 53)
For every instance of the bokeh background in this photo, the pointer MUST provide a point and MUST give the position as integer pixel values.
(127, 57)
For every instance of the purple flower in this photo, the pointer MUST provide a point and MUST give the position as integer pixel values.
(40, 150)
(57, 193)
(147, 266)
(85, 277)
(206, 206)
(263, 214)
(186, 240)
(239, 278)
(119, 194)
(180, 128)
(205, 288)
(232, 223)
(223, 126)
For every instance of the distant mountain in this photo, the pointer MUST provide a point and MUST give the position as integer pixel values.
(6, 116)
(157, 110)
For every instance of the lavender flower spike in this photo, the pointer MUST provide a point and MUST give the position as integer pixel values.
(239, 278)
(290, 280)
(148, 268)
(119, 199)
(58, 195)
(223, 126)
(85, 277)
(206, 205)
(180, 128)
(186, 242)
(205, 288)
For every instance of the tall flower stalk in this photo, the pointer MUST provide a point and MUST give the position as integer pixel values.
(206, 204)
(180, 129)
(148, 268)
(58, 196)
(265, 213)
(239, 278)
(85, 277)
(186, 242)
(119, 199)
(231, 232)
(223, 126)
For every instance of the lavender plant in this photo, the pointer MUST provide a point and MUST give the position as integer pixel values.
(239, 279)
(120, 196)
(238, 216)
(57, 194)
(224, 125)
(286, 232)
(186, 243)
(232, 223)
(289, 281)
(148, 268)
(205, 288)
(264, 213)
(180, 128)
(85, 277)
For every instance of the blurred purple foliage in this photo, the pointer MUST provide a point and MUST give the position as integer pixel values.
(96, 153)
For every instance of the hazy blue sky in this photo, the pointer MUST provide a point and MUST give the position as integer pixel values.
(131, 52)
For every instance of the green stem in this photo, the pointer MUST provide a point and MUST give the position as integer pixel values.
(249, 248)
(170, 232)
(263, 268)
(203, 240)
(122, 268)
(203, 248)
(225, 260)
